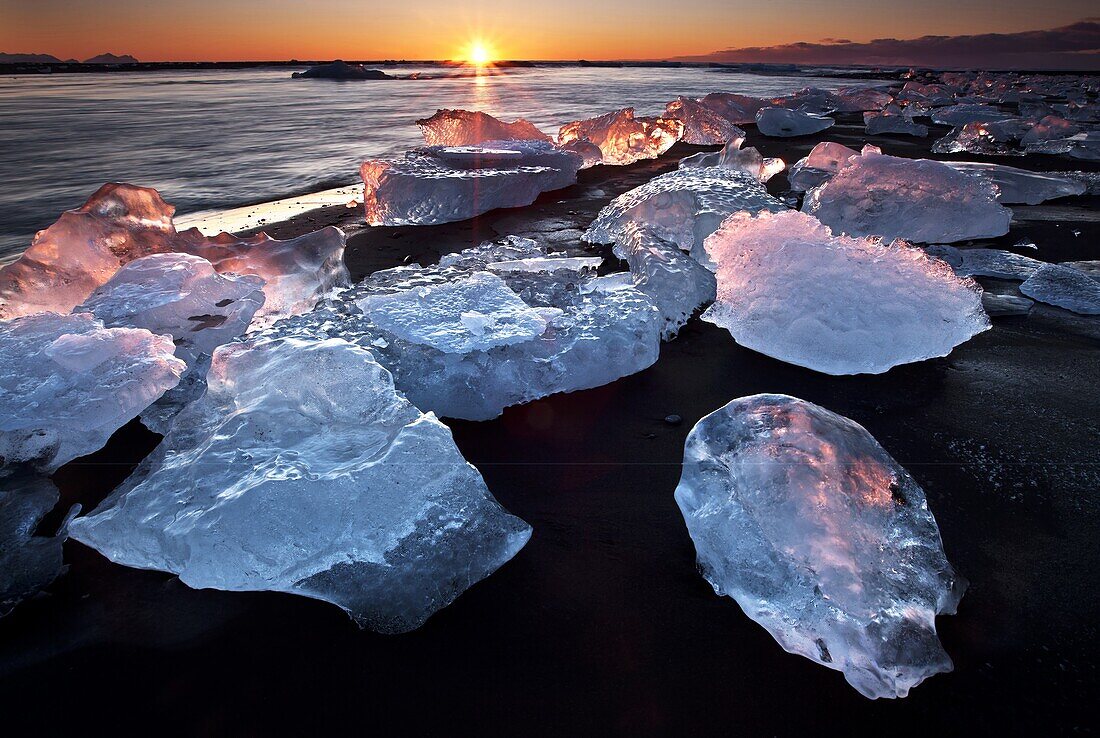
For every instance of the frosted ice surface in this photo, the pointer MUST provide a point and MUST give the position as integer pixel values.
(676, 283)
(442, 185)
(825, 160)
(790, 289)
(476, 313)
(302, 470)
(914, 199)
(683, 207)
(1064, 287)
(622, 138)
(821, 537)
(702, 124)
(580, 330)
(783, 122)
(958, 115)
(1019, 185)
(749, 160)
(67, 383)
(986, 262)
(473, 128)
(28, 562)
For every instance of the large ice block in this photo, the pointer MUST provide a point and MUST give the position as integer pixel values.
(749, 160)
(1019, 185)
(702, 124)
(914, 199)
(825, 160)
(622, 138)
(473, 128)
(790, 289)
(822, 538)
(784, 123)
(302, 470)
(1065, 287)
(67, 383)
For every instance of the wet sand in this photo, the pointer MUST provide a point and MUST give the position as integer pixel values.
(602, 624)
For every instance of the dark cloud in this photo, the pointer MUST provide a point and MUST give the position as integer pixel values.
(1076, 46)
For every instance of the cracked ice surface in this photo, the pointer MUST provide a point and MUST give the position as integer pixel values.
(749, 160)
(302, 470)
(914, 199)
(702, 124)
(986, 262)
(28, 562)
(446, 184)
(67, 383)
(1065, 287)
(622, 138)
(473, 128)
(121, 223)
(683, 207)
(821, 537)
(460, 343)
(790, 289)
(1019, 185)
(676, 283)
(825, 160)
(784, 123)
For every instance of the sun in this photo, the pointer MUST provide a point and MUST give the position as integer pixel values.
(480, 54)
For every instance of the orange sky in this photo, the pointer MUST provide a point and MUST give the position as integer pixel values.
(439, 29)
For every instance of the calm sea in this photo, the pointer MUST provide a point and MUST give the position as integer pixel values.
(220, 139)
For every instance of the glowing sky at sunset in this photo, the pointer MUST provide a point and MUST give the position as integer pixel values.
(187, 30)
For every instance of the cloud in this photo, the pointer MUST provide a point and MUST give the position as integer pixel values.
(1076, 46)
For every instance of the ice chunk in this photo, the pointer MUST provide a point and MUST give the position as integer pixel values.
(1019, 185)
(1050, 128)
(302, 470)
(84, 248)
(28, 562)
(783, 122)
(466, 128)
(683, 207)
(622, 138)
(466, 359)
(914, 199)
(825, 160)
(121, 223)
(998, 305)
(821, 537)
(731, 155)
(181, 296)
(893, 120)
(1090, 268)
(859, 99)
(446, 184)
(986, 262)
(702, 125)
(737, 109)
(790, 289)
(996, 138)
(67, 383)
(1064, 287)
(958, 115)
(476, 313)
(809, 100)
(676, 283)
(340, 69)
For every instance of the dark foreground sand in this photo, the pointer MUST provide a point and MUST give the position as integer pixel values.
(601, 625)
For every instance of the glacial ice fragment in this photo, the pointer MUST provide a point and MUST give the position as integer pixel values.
(790, 289)
(446, 184)
(749, 160)
(737, 109)
(821, 537)
(467, 128)
(825, 160)
(622, 138)
(994, 263)
(995, 138)
(915, 199)
(1064, 287)
(28, 562)
(684, 206)
(702, 125)
(958, 115)
(464, 357)
(893, 120)
(302, 470)
(67, 383)
(784, 123)
(1020, 185)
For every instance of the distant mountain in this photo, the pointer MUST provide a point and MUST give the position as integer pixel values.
(28, 59)
(111, 59)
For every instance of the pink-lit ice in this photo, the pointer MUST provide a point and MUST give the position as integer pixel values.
(821, 537)
(915, 199)
(750, 161)
(623, 138)
(473, 128)
(783, 123)
(824, 160)
(789, 288)
(702, 125)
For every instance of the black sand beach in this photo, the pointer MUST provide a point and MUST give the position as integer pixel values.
(602, 623)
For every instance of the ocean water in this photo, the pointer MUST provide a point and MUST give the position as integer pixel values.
(211, 140)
